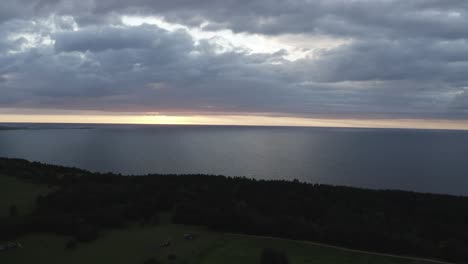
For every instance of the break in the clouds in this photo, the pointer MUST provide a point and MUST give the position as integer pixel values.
(389, 58)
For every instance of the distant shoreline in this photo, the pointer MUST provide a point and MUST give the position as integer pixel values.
(11, 128)
(37, 126)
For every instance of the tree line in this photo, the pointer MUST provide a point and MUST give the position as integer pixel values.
(398, 222)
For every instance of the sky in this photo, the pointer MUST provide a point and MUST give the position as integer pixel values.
(379, 63)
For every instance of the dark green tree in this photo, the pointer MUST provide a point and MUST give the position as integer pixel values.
(71, 244)
(172, 257)
(13, 210)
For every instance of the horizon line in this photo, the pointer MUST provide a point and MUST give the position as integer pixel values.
(239, 120)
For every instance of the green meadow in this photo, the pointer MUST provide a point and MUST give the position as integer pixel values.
(20, 193)
(136, 244)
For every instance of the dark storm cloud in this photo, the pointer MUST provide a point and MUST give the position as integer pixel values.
(108, 38)
(402, 58)
(434, 18)
(141, 68)
(443, 18)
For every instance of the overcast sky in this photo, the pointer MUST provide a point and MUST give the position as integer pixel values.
(297, 58)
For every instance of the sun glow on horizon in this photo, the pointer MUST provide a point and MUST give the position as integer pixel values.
(249, 120)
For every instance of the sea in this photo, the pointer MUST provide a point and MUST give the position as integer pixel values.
(434, 161)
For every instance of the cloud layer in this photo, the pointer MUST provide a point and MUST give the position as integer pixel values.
(386, 59)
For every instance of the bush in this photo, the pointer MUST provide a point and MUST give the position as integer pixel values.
(71, 244)
(87, 233)
(171, 257)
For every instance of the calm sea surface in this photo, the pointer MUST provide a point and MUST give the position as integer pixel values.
(419, 160)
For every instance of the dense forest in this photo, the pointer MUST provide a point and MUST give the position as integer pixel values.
(398, 222)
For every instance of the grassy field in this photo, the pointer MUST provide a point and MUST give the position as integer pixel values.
(136, 244)
(20, 193)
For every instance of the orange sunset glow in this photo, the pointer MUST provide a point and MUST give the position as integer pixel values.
(236, 120)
